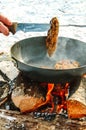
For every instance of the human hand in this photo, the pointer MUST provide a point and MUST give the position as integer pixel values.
(3, 22)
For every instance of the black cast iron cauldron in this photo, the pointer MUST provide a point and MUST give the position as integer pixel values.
(30, 56)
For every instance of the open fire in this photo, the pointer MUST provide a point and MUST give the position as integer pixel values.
(56, 96)
(42, 99)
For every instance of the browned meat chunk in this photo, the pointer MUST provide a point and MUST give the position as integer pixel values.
(52, 36)
(66, 64)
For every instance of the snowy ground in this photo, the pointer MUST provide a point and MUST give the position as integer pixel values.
(35, 11)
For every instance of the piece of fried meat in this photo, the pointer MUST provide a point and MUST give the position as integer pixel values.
(52, 36)
(67, 64)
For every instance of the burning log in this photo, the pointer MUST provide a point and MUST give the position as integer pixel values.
(29, 103)
(76, 109)
(13, 119)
